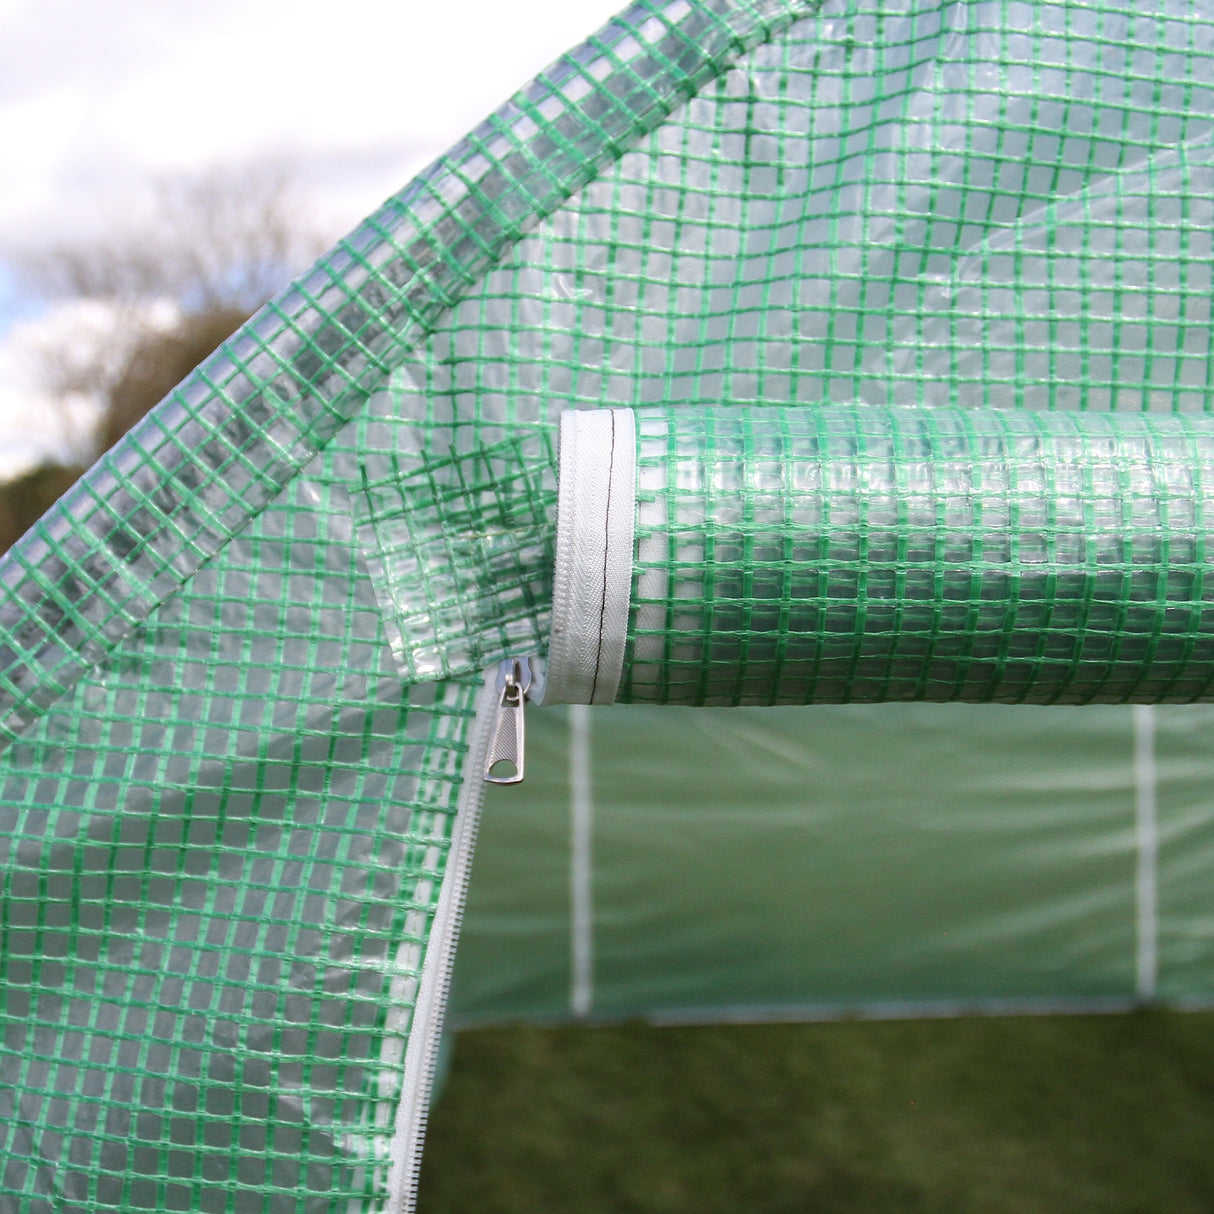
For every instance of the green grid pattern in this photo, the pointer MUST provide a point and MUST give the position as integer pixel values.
(210, 937)
(832, 556)
(461, 550)
(237, 663)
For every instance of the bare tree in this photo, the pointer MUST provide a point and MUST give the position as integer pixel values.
(171, 281)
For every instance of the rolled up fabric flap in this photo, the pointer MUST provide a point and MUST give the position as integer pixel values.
(861, 554)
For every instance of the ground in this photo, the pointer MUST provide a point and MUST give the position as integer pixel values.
(1105, 1115)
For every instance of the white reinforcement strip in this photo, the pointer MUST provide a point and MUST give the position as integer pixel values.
(424, 1025)
(581, 833)
(1146, 831)
(592, 584)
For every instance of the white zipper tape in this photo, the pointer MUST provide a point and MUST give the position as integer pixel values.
(404, 1152)
(592, 586)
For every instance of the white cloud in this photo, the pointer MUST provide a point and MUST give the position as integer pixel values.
(94, 97)
(36, 425)
(36, 161)
(32, 428)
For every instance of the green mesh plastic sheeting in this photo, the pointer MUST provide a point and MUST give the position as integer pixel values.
(237, 430)
(226, 817)
(802, 556)
(238, 662)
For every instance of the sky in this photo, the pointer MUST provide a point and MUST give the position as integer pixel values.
(97, 97)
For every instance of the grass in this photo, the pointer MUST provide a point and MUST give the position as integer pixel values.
(998, 1116)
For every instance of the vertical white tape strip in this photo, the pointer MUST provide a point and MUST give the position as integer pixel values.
(592, 581)
(1146, 830)
(581, 830)
(428, 992)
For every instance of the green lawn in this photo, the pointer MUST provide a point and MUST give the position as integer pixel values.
(997, 1116)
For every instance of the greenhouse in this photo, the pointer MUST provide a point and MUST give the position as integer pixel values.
(780, 434)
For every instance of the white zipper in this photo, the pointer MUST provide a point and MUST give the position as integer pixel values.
(499, 720)
(592, 576)
(592, 588)
(507, 738)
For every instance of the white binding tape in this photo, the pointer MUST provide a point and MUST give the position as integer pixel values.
(592, 586)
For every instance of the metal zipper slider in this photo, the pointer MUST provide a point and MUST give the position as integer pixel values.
(506, 740)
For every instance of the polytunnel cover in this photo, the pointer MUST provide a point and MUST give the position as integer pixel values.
(242, 658)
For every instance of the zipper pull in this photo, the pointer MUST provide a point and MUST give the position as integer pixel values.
(506, 741)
